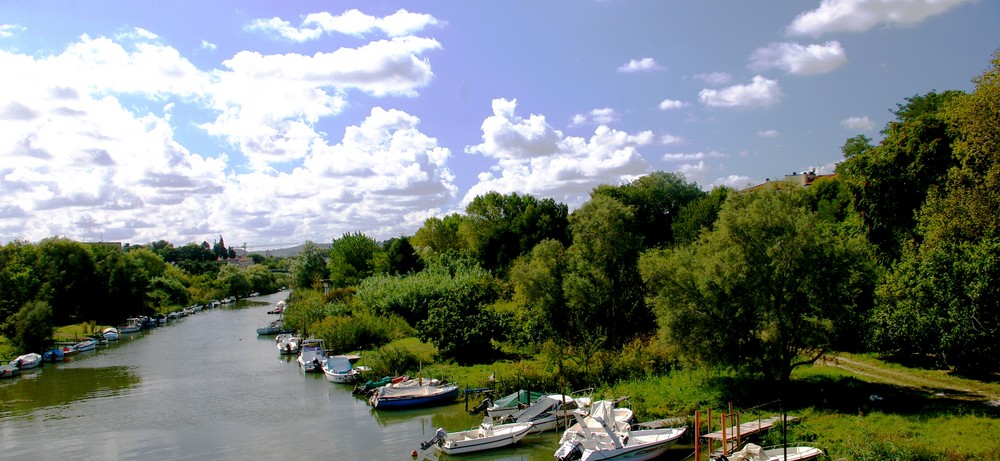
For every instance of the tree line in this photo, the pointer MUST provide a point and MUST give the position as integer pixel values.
(58, 282)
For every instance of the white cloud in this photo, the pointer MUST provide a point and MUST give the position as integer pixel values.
(351, 22)
(760, 92)
(798, 59)
(536, 159)
(8, 30)
(207, 45)
(639, 65)
(861, 15)
(734, 181)
(768, 134)
(858, 123)
(669, 104)
(669, 139)
(715, 78)
(268, 104)
(602, 116)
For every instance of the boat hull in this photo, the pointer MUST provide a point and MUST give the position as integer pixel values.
(447, 394)
(474, 440)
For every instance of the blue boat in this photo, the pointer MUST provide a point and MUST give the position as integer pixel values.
(409, 395)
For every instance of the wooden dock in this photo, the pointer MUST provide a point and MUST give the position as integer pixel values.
(746, 429)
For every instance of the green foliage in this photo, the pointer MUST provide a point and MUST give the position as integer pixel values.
(698, 215)
(360, 330)
(500, 227)
(232, 281)
(31, 327)
(602, 286)
(537, 281)
(352, 258)
(20, 281)
(655, 199)
(398, 358)
(439, 235)
(70, 284)
(309, 268)
(305, 309)
(768, 284)
(400, 258)
(460, 323)
(409, 296)
(890, 182)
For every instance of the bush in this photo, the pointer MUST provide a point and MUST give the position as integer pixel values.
(360, 330)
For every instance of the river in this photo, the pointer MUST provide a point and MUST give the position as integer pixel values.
(205, 387)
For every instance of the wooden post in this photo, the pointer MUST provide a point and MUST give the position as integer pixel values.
(738, 430)
(725, 443)
(708, 418)
(697, 435)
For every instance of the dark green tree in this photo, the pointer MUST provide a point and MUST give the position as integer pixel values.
(20, 280)
(309, 268)
(698, 215)
(537, 279)
(70, 285)
(31, 326)
(601, 285)
(656, 199)
(763, 292)
(461, 323)
(502, 227)
(352, 258)
(399, 257)
(889, 182)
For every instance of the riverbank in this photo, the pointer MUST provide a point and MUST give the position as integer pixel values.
(855, 407)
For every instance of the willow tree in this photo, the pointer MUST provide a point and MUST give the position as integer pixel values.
(764, 291)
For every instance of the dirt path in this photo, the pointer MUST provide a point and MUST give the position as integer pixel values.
(934, 382)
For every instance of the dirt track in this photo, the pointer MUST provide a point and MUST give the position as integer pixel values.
(936, 383)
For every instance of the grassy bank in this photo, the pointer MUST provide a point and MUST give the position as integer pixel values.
(855, 407)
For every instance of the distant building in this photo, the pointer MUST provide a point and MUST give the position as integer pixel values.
(804, 179)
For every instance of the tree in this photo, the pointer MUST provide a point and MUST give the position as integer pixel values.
(656, 199)
(310, 267)
(352, 258)
(500, 228)
(460, 323)
(439, 235)
(602, 286)
(764, 291)
(31, 326)
(20, 280)
(941, 297)
(399, 257)
(890, 182)
(698, 215)
(537, 279)
(70, 285)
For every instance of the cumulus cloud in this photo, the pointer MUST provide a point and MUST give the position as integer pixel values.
(715, 78)
(668, 139)
(798, 59)
(89, 149)
(670, 104)
(861, 15)
(534, 158)
(351, 22)
(858, 123)
(760, 92)
(734, 181)
(768, 134)
(602, 116)
(639, 65)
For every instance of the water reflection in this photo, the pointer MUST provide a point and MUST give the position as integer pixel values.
(51, 386)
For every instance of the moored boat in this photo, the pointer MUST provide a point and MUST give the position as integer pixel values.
(55, 354)
(486, 437)
(754, 452)
(132, 325)
(601, 437)
(9, 371)
(311, 355)
(271, 328)
(85, 345)
(288, 344)
(27, 361)
(409, 396)
(339, 369)
(110, 333)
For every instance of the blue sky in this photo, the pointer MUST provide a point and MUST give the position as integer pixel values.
(272, 123)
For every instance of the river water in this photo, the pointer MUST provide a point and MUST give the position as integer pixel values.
(206, 387)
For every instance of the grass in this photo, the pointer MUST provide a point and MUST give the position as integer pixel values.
(76, 332)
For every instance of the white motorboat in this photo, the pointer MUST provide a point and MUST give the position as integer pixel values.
(85, 345)
(311, 355)
(622, 415)
(110, 333)
(132, 325)
(288, 344)
(27, 361)
(339, 369)
(486, 437)
(603, 438)
(754, 452)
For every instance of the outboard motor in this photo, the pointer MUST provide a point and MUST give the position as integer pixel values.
(438, 439)
(569, 451)
(486, 403)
